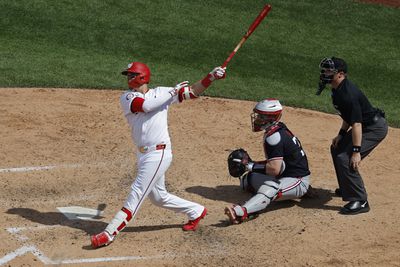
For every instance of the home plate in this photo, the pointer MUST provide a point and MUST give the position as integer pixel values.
(81, 213)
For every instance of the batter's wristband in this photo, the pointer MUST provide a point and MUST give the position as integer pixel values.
(259, 168)
(206, 82)
(356, 149)
(342, 132)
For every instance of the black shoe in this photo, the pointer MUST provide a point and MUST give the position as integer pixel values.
(355, 207)
(338, 192)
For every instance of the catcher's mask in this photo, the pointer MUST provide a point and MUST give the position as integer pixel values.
(138, 74)
(328, 68)
(266, 114)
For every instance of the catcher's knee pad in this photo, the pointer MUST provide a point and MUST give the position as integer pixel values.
(256, 180)
(270, 189)
(265, 194)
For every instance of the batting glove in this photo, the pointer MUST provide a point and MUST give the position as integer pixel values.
(181, 85)
(184, 91)
(216, 74)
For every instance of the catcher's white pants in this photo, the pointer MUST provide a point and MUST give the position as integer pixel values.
(150, 181)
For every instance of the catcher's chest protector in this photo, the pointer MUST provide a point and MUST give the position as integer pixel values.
(270, 132)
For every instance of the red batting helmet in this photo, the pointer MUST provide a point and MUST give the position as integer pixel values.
(265, 114)
(138, 74)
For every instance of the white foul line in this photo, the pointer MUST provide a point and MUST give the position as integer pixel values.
(38, 168)
(108, 259)
(19, 252)
(16, 232)
(40, 255)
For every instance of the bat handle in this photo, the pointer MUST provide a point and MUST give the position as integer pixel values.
(234, 51)
(228, 59)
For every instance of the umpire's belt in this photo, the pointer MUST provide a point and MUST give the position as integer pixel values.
(146, 149)
(373, 120)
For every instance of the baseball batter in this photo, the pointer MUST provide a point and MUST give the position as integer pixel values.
(146, 111)
(283, 175)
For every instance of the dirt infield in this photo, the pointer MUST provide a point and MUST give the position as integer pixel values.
(66, 147)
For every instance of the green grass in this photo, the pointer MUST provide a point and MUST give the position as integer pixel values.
(87, 43)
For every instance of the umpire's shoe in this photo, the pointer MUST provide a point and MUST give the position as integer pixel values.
(100, 240)
(192, 225)
(355, 207)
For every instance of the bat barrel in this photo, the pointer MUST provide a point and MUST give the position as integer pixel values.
(251, 29)
(259, 18)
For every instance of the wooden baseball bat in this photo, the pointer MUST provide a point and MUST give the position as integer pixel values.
(251, 29)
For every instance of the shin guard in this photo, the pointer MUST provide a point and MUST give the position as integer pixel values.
(119, 222)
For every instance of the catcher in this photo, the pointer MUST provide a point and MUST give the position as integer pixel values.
(283, 175)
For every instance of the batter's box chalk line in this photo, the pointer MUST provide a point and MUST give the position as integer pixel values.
(16, 232)
(64, 166)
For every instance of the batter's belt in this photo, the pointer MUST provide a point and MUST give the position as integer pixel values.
(146, 149)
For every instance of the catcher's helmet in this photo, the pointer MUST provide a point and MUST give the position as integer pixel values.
(138, 74)
(266, 114)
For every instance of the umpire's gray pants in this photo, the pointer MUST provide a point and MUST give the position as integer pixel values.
(350, 181)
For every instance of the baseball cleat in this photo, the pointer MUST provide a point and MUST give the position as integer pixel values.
(192, 225)
(231, 215)
(100, 240)
(235, 219)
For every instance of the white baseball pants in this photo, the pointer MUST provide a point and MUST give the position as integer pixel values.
(150, 181)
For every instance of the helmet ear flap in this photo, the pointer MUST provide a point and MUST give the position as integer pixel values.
(140, 77)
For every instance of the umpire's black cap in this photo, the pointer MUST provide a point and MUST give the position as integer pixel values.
(340, 64)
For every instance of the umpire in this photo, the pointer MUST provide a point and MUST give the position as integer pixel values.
(363, 128)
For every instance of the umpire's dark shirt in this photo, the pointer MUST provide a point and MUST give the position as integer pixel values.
(351, 103)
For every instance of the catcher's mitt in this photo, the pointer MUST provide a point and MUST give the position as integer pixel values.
(237, 161)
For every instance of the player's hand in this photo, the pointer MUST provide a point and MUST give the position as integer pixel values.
(181, 85)
(355, 161)
(336, 140)
(184, 91)
(217, 73)
(178, 87)
(249, 166)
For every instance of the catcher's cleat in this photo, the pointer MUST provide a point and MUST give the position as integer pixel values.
(231, 215)
(192, 225)
(100, 240)
(244, 217)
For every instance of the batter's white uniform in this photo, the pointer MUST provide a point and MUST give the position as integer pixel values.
(149, 129)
